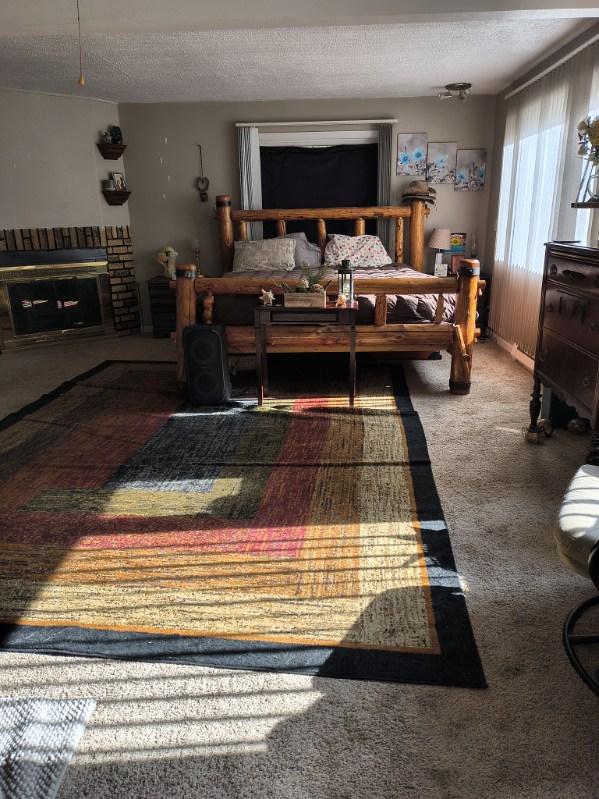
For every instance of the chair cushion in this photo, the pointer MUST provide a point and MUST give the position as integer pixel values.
(577, 529)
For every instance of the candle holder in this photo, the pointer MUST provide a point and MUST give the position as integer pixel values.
(345, 281)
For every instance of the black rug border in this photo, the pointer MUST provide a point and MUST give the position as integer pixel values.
(458, 665)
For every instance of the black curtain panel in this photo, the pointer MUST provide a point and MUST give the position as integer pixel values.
(319, 177)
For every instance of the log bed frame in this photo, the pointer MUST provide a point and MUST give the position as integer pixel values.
(457, 337)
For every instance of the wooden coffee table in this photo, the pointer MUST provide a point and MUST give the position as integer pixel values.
(269, 316)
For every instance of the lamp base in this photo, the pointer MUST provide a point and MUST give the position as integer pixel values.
(440, 267)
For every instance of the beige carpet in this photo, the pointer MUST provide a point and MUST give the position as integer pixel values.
(161, 731)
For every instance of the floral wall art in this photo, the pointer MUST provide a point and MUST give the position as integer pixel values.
(471, 169)
(441, 162)
(411, 153)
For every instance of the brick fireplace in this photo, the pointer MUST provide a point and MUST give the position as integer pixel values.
(116, 240)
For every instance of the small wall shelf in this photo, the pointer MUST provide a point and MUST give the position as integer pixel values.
(111, 151)
(113, 197)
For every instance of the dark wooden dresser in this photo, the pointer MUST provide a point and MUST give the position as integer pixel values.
(567, 355)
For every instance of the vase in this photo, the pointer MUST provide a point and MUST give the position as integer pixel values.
(593, 184)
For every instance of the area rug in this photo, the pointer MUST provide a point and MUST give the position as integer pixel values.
(38, 738)
(300, 536)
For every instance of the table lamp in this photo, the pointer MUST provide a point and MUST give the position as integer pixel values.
(440, 240)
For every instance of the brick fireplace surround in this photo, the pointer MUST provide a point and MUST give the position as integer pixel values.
(116, 239)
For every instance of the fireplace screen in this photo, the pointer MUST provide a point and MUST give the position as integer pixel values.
(63, 304)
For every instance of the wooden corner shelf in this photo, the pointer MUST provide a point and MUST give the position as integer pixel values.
(111, 152)
(588, 204)
(114, 197)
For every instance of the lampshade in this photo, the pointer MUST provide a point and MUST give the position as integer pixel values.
(440, 239)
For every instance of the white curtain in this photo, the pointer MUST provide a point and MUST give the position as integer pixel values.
(540, 176)
(250, 178)
(384, 180)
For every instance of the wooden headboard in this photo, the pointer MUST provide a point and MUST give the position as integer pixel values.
(416, 212)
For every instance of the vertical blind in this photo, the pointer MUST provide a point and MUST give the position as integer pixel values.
(540, 176)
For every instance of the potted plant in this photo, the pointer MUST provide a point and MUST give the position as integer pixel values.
(309, 291)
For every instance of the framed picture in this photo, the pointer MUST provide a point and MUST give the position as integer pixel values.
(411, 153)
(441, 162)
(470, 170)
(119, 181)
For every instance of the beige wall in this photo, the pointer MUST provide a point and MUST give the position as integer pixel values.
(162, 162)
(50, 168)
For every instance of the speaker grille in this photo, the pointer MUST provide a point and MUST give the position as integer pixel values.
(206, 365)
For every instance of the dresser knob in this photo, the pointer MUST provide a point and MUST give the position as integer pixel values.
(543, 354)
(586, 382)
(553, 269)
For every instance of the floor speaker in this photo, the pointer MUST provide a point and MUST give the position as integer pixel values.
(206, 365)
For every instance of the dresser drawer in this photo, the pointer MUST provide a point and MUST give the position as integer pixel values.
(573, 316)
(568, 368)
(573, 273)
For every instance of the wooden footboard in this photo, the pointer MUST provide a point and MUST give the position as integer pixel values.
(458, 336)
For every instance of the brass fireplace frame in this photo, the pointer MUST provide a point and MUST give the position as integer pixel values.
(27, 273)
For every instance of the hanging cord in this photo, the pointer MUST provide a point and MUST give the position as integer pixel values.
(81, 75)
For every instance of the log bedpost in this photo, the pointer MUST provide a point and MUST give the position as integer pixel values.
(465, 327)
(399, 240)
(417, 217)
(186, 311)
(380, 310)
(321, 228)
(225, 226)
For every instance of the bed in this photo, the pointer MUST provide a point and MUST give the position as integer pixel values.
(401, 310)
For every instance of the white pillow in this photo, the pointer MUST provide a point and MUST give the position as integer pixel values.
(264, 255)
(362, 251)
(306, 253)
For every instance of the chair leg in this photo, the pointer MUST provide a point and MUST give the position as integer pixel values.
(573, 641)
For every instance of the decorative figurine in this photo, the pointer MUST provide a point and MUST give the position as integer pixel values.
(116, 134)
(341, 301)
(167, 258)
(267, 298)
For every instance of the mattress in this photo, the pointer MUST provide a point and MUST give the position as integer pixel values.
(238, 309)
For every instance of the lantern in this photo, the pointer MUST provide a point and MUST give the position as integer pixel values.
(345, 278)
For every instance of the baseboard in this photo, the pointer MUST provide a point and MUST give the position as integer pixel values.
(519, 356)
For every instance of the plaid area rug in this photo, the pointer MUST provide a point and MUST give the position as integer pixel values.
(300, 536)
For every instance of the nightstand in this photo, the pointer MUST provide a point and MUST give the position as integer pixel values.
(162, 306)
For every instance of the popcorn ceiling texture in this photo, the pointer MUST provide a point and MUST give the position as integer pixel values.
(393, 60)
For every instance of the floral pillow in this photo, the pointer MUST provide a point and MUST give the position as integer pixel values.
(362, 251)
(264, 255)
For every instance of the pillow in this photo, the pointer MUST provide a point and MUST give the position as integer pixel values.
(264, 255)
(306, 253)
(362, 251)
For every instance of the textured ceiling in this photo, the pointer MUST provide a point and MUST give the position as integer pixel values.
(391, 60)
